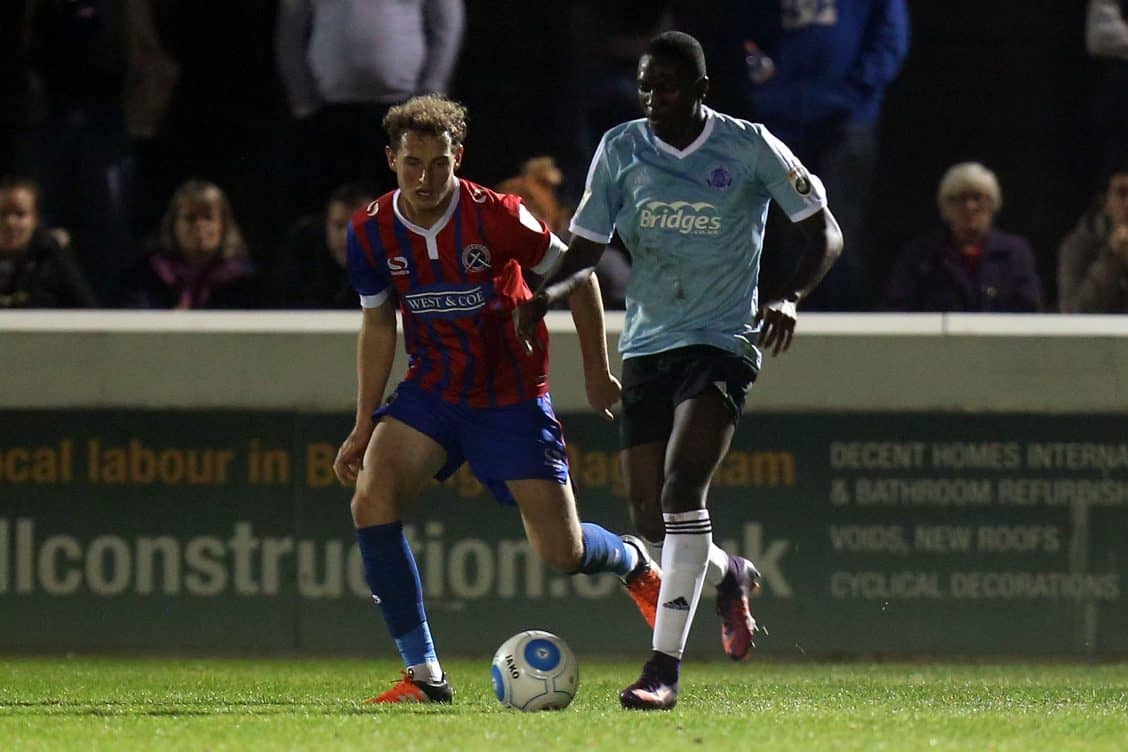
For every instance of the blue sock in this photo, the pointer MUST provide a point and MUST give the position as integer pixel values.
(605, 552)
(389, 567)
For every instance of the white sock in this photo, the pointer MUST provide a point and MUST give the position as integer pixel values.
(685, 555)
(428, 673)
(718, 565)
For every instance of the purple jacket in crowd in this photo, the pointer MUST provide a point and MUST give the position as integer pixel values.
(930, 276)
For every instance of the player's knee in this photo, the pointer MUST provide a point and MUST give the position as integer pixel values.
(684, 492)
(370, 508)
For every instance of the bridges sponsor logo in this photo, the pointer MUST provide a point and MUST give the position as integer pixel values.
(446, 301)
(686, 218)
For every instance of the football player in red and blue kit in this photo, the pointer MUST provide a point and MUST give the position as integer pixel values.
(449, 255)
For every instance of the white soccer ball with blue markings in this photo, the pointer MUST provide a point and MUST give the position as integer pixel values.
(535, 670)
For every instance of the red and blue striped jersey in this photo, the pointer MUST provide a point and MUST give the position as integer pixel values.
(457, 284)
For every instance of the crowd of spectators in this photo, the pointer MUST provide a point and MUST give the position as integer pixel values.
(86, 217)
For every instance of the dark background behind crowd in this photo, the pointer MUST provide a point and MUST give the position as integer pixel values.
(1007, 83)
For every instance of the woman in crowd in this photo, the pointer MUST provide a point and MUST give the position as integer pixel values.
(966, 264)
(200, 259)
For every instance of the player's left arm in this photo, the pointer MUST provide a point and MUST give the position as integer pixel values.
(823, 247)
(603, 389)
(802, 197)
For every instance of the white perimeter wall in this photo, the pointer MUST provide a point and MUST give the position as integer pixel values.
(306, 361)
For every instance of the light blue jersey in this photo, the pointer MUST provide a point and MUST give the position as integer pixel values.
(693, 221)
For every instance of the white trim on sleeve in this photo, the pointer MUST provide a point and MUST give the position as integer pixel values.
(556, 248)
(374, 301)
(807, 211)
(587, 234)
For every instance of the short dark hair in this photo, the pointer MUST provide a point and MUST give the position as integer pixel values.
(681, 47)
(432, 114)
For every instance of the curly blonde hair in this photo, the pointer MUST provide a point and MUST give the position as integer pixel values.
(432, 115)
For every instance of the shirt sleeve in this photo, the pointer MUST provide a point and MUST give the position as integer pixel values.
(526, 238)
(799, 193)
(594, 219)
(367, 278)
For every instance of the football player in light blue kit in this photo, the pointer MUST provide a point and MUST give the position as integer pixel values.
(687, 189)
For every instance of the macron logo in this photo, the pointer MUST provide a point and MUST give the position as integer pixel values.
(677, 604)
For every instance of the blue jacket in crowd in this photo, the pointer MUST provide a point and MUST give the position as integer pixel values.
(832, 58)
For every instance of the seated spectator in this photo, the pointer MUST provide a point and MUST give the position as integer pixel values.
(966, 265)
(310, 272)
(1093, 261)
(37, 268)
(200, 259)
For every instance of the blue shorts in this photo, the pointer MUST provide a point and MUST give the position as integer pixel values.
(519, 442)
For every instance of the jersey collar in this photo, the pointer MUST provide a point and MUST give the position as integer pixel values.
(435, 229)
(697, 142)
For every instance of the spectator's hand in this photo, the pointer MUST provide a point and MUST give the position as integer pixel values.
(603, 391)
(1118, 241)
(526, 317)
(350, 456)
(778, 318)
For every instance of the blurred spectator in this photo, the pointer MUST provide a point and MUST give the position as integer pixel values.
(344, 63)
(815, 74)
(200, 260)
(538, 186)
(90, 78)
(311, 265)
(223, 115)
(606, 40)
(967, 265)
(1093, 261)
(1106, 38)
(37, 269)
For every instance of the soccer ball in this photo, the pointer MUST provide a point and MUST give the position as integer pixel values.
(535, 670)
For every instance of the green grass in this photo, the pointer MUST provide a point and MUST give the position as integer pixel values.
(115, 704)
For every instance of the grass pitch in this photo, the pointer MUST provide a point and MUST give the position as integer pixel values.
(114, 704)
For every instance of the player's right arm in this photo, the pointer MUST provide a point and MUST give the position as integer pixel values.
(375, 354)
(375, 347)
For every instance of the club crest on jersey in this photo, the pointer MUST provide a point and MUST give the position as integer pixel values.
(800, 180)
(475, 258)
(720, 178)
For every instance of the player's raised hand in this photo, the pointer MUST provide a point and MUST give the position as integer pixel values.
(603, 391)
(778, 319)
(527, 316)
(350, 456)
